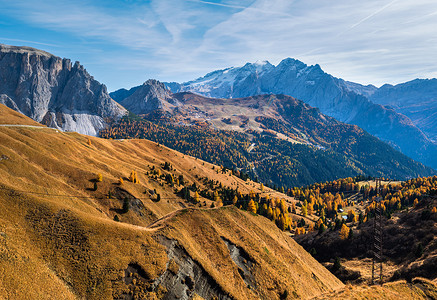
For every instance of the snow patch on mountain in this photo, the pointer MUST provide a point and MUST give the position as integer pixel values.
(346, 101)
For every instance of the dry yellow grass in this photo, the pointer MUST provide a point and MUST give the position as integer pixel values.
(281, 264)
(9, 116)
(60, 240)
(418, 289)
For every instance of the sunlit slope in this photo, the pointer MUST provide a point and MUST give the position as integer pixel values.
(64, 165)
(419, 288)
(280, 266)
(58, 239)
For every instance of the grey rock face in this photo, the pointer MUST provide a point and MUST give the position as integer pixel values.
(188, 278)
(345, 101)
(52, 91)
(151, 96)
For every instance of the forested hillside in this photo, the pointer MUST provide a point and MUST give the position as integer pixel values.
(344, 210)
(277, 140)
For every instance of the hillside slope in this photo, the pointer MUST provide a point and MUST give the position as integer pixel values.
(58, 238)
(260, 135)
(408, 225)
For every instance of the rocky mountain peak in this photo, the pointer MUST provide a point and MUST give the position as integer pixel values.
(346, 101)
(290, 63)
(150, 96)
(50, 90)
(26, 51)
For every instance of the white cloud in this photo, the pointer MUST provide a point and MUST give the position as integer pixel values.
(136, 29)
(27, 42)
(370, 41)
(366, 41)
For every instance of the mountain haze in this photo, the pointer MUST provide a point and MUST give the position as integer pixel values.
(417, 99)
(53, 91)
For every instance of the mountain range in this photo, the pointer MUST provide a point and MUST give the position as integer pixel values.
(59, 94)
(125, 217)
(401, 115)
(416, 99)
(53, 91)
(278, 139)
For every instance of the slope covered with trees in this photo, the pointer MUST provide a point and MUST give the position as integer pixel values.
(280, 140)
(344, 213)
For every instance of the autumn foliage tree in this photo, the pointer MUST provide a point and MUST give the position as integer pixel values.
(251, 206)
(134, 177)
(196, 197)
(344, 232)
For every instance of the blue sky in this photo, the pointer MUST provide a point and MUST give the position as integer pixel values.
(124, 43)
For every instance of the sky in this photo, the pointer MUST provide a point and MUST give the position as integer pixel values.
(123, 43)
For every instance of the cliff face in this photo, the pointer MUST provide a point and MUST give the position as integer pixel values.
(53, 91)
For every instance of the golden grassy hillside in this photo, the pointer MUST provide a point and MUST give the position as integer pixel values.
(58, 238)
(419, 288)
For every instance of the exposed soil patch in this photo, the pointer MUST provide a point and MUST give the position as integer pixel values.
(185, 277)
(243, 261)
(135, 204)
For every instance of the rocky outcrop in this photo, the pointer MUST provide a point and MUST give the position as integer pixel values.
(53, 91)
(243, 261)
(185, 277)
(151, 96)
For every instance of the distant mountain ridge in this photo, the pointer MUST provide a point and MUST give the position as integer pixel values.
(53, 91)
(417, 99)
(261, 135)
(346, 101)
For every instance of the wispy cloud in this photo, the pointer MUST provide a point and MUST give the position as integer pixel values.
(364, 41)
(218, 4)
(86, 20)
(28, 42)
(312, 35)
(373, 14)
(264, 10)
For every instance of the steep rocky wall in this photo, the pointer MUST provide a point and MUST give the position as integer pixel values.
(53, 91)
